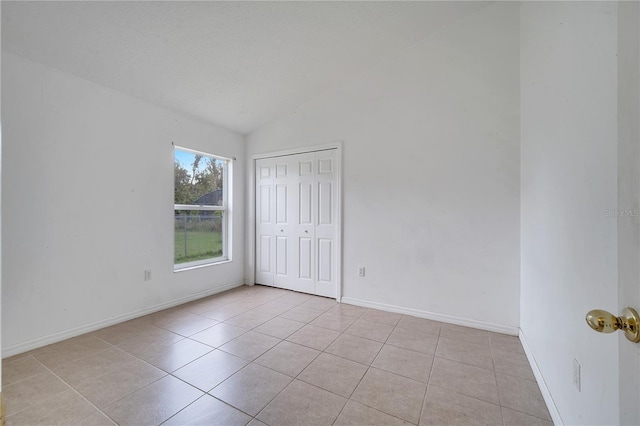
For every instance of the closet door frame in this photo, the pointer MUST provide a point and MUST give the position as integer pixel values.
(250, 269)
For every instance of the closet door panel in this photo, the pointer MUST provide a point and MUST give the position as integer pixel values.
(265, 241)
(325, 224)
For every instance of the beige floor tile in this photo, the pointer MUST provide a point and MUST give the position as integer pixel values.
(302, 404)
(32, 390)
(250, 345)
(478, 354)
(225, 312)
(208, 411)
(65, 408)
(210, 370)
(319, 303)
(456, 332)
(418, 341)
(313, 337)
(411, 364)
(136, 332)
(356, 414)
(335, 374)
(218, 335)
(249, 319)
(444, 407)
(15, 357)
(355, 348)
(97, 419)
(20, 369)
(395, 395)
(333, 321)
(419, 324)
(299, 314)
(166, 317)
(294, 297)
(506, 343)
(382, 317)
(279, 327)
(522, 395)
(288, 358)
(113, 385)
(88, 368)
(198, 307)
(465, 379)
(249, 302)
(513, 364)
(274, 308)
(349, 310)
(114, 367)
(370, 330)
(189, 325)
(252, 388)
(516, 418)
(72, 349)
(119, 333)
(153, 404)
(171, 357)
(150, 336)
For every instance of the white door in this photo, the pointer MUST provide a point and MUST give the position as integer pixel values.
(326, 227)
(304, 217)
(265, 222)
(296, 214)
(629, 201)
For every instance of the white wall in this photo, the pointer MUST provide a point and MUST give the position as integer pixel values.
(431, 172)
(87, 195)
(569, 173)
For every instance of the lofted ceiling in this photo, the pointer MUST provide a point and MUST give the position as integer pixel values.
(236, 64)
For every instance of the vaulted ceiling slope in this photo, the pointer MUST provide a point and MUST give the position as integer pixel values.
(236, 64)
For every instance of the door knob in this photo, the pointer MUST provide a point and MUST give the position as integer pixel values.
(605, 322)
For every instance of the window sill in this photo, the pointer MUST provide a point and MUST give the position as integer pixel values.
(190, 266)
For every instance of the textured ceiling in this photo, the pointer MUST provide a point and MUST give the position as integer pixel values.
(237, 64)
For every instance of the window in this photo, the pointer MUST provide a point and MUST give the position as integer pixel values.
(201, 206)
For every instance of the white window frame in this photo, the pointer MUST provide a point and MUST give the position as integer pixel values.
(225, 208)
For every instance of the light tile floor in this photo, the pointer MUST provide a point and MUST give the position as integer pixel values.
(260, 355)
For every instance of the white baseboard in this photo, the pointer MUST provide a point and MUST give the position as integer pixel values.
(553, 410)
(449, 319)
(19, 348)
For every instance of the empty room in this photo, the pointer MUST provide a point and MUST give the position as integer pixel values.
(320, 213)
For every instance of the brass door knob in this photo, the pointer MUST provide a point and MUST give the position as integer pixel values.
(605, 322)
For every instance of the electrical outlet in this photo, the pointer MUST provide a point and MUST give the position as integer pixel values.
(147, 275)
(361, 271)
(576, 374)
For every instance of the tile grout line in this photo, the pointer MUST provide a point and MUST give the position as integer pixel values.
(495, 377)
(433, 362)
(80, 394)
(367, 370)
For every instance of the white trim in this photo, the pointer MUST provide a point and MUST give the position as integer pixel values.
(250, 277)
(546, 394)
(294, 151)
(195, 151)
(197, 264)
(449, 319)
(19, 348)
(198, 207)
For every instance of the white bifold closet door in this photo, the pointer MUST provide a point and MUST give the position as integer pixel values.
(296, 216)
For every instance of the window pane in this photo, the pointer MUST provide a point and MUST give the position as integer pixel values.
(198, 235)
(198, 179)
